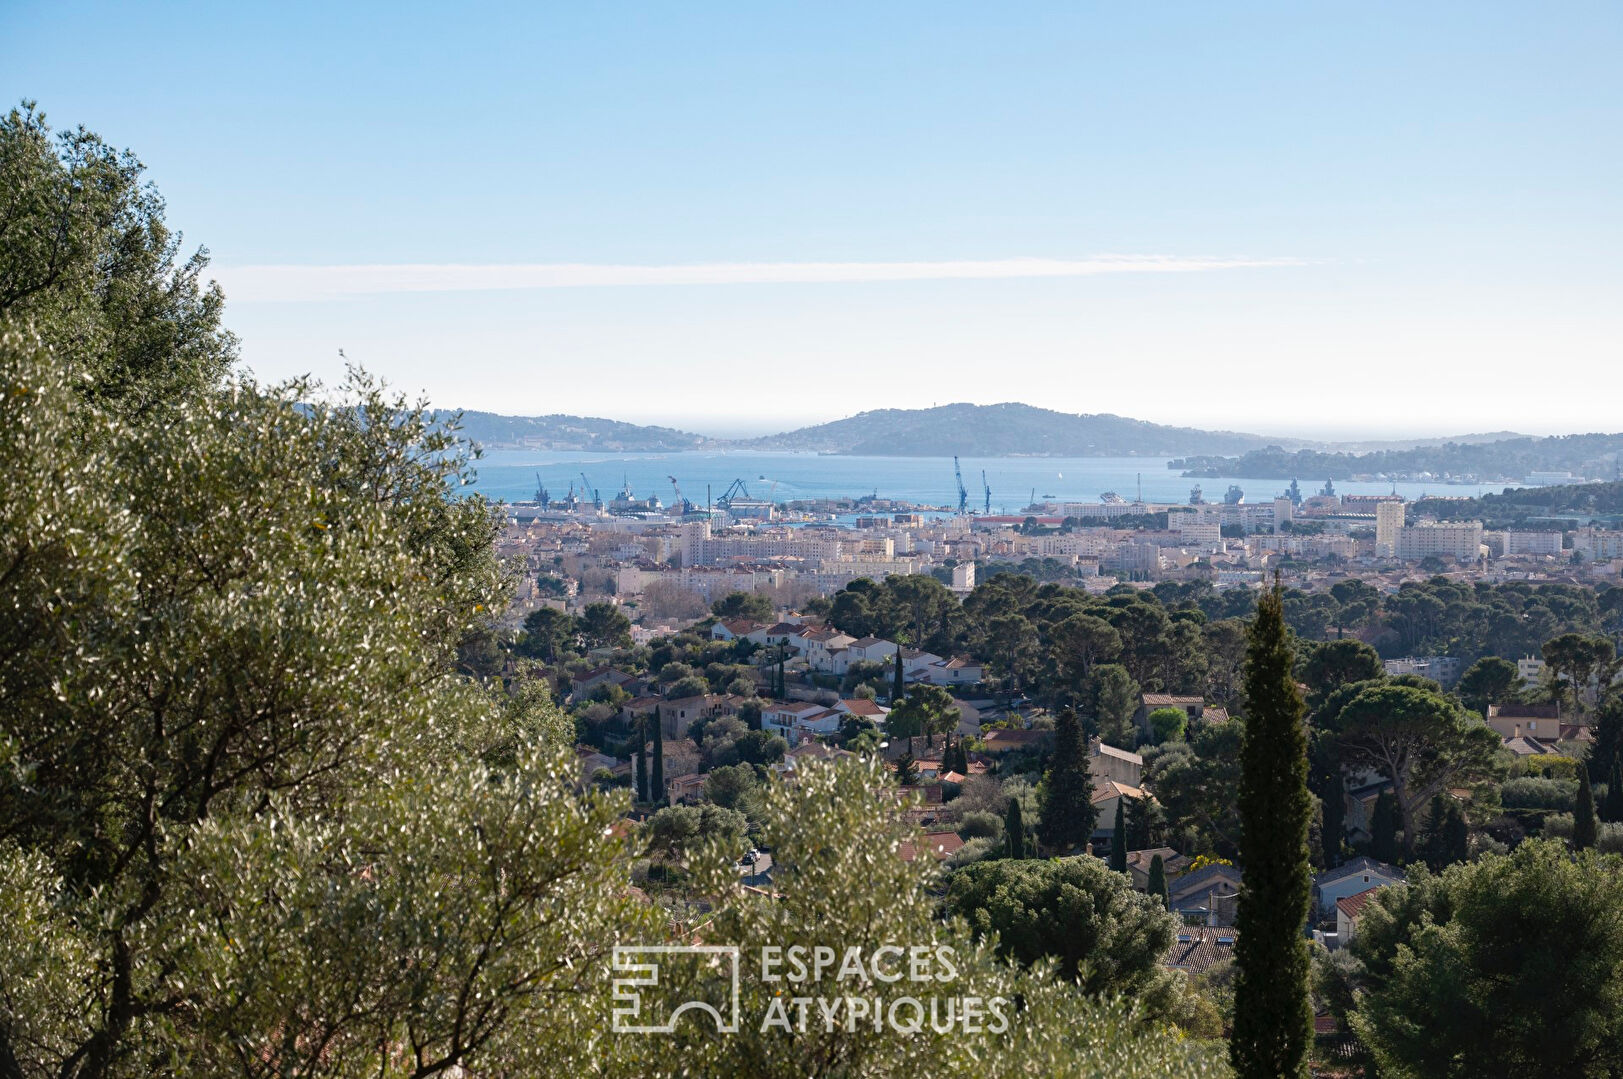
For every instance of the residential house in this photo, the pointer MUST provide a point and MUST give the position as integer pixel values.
(598, 676)
(955, 671)
(1206, 896)
(1193, 707)
(1002, 741)
(1138, 865)
(783, 633)
(1106, 762)
(823, 647)
(1349, 908)
(1541, 721)
(1350, 878)
(939, 845)
(797, 720)
(733, 628)
(1106, 796)
(1198, 948)
(688, 788)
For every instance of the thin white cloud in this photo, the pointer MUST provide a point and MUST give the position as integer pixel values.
(272, 284)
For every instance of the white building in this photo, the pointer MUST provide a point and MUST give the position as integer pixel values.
(1388, 523)
(1461, 542)
(1532, 543)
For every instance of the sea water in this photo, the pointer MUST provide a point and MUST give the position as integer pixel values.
(511, 475)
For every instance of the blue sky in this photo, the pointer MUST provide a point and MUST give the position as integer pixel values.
(1382, 217)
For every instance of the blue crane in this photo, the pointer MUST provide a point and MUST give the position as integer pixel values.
(963, 495)
(988, 489)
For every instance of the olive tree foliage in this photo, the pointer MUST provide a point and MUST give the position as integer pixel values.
(251, 821)
(88, 261)
(839, 883)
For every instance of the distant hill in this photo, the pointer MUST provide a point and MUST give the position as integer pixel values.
(1516, 507)
(1006, 430)
(493, 431)
(1507, 460)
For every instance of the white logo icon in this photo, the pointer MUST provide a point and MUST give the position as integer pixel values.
(639, 965)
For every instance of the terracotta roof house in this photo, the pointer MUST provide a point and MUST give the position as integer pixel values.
(733, 628)
(1348, 910)
(939, 845)
(1001, 741)
(1138, 865)
(1105, 797)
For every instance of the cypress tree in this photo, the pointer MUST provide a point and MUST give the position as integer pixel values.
(1140, 827)
(907, 769)
(1157, 884)
(1068, 814)
(1456, 836)
(656, 783)
(1583, 818)
(1383, 829)
(898, 688)
(1611, 808)
(1118, 838)
(642, 761)
(1014, 829)
(1273, 1019)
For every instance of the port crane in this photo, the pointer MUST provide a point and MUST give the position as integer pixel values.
(963, 494)
(541, 495)
(988, 489)
(682, 506)
(588, 489)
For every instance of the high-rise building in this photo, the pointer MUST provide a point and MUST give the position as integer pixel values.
(1388, 523)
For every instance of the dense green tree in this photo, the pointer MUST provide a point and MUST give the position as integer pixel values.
(1416, 738)
(755, 606)
(1118, 839)
(676, 831)
(603, 625)
(1081, 642)
(1522, 955)
(730, 785)
(907, 770)
(1612, 805)
(1142, 821)
(1583, 817)
(1014, 829)
(548, 633)
(643, 793)
(1384, 825)
(1195, 784)
(1336, 663)
(1447, 837)
(1112, 697)
(1168, 724)
(1103, 935)
(1607, 751)
(656, 772)
(1489, 681)
(1576, 658)
(1273, 1020)
(1068, 814)
(1156, 884)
